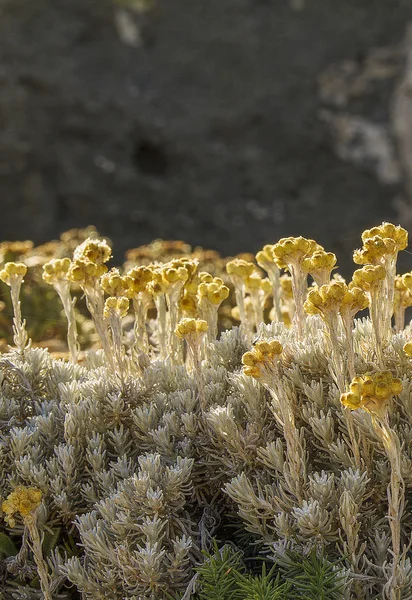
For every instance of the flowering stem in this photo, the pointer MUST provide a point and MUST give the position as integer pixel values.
(175, 344)
(240, 301)
(399, 315)
(141, 306)
(63, 289)
(396, 500)
(337, 365)
(274, 276)
(388, 294)
(19, 329)
(44, 577)
(116, 329)
(194, 348)
(347, 326)
(161, 325)
(95, 305)
(375, 312)
(299, 293)
(257, 306)
(209, 313)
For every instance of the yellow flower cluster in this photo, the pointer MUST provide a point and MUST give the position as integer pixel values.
(56, 270)
(191, 328)
(213, 291)
(179, 269)
(388, 231)
(170, 277)
(114, 284)
(372, 392)
(403, 290)
(286, 285)
(240, 269)
(408, 348)
(255, 282)
(262, 357)
(369, 277)
(320, 265)
(373, 250)
(335, 297)
(93, 250)
(23, 501)
(378, 242)
(292, 250)
(137, 280)
(88, 261)
(265, 257)
(13, 273)
(157, 285)
(85, 272)
(116, 306)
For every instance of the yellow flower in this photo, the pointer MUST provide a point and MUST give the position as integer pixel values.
(286, 285)
(293, 250)
(13, 273)
(93, 250)
(261, 358)
(56, 270)
(116, 306)
(326, 299)
(114, 284)
(85, 272)
(265, 258)
(353, 301)
(23, 500)
(408, 348)
(320, 265)
(369, 277)
(239, 268)
(137, 280)
(191, 328)
(373, 250)
(214, 291)
(396, 233)
(372, 392)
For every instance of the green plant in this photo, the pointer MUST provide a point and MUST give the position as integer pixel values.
(224, 576)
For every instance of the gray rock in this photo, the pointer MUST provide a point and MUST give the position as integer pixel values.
(206, 126)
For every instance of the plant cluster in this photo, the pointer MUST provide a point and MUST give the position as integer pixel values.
(171, 457)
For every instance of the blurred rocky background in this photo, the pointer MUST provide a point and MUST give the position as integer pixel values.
(225, 123)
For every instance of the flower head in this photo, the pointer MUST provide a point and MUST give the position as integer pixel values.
(137, 280)
(114, 284)
(23, 501)
(396, 233)
(262, 358)
(56, 270)
(86, 272)
(293, 251)
(212, 292)
(372, 392)
(266, 259)
(187, 328)
(240, 269)
(369, 277)
(408, 348)
(326, 299)
(93, 250)
(116, 306)
(13, 273)
(320, 265)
